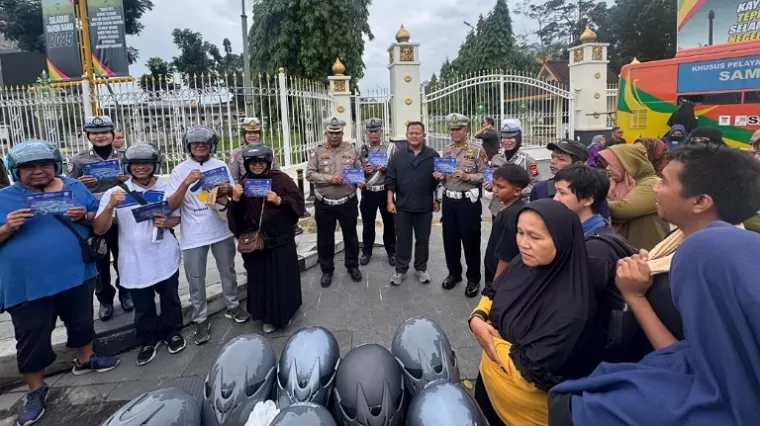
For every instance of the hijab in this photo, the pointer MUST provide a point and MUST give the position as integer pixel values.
(713, 376)
(674, 142)
(545, 312)
(714, 136)
(291, 209)
(618, 189)
(684, 116)
(656, 150)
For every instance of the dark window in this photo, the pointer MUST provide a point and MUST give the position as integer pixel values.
(752, 97)
(715, 98)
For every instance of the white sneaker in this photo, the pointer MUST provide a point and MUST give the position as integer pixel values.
(397, 278)
(424, 277)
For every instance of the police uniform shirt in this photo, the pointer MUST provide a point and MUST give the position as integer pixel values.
(523, 160)
(75, 169)
(471, 159)
(377, 177)
(326, 162)
(237, 168)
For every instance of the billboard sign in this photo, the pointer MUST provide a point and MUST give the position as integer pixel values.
(720, 75)
(108, 38)
(61, 40)
(733, 21)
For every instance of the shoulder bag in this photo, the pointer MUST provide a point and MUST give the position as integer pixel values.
(252, 242)
(94, 247)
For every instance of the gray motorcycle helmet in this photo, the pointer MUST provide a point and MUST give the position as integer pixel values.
(141, 153)
(200, 134)
(163, 407)
(444, 403)
(307, 367)
(243, 375)
(369, 389)
(424, 353)
(34, 151)
(304, 414)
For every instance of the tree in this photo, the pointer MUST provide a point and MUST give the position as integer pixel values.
(496, 41)
(21, 21)
(643, 29)
(306, 36)
(159, 76)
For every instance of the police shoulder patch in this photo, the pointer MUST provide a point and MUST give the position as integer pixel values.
(533, 169)
(69, 166)
(483, 155)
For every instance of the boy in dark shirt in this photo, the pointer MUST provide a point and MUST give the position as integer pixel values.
(508, 182)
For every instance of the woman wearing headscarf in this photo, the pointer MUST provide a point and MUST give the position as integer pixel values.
(710, 378)
(537, 322)
(274, 276)
(684, 116)
(706, 135)
(597, 144)
(676, 136)
(656, 150)
(631, 197)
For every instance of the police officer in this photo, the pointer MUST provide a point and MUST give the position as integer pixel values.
(250, 130)
(462, 210)
(100, 133)
(335, 201)
(374, 195)
(511, 142)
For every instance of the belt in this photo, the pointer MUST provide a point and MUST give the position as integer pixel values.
(376, 188)
(338, 202)
(455, 195)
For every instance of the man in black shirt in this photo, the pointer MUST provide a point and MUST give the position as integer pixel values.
(409, 178)
(490, 137)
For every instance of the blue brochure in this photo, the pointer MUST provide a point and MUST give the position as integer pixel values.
(445, 165)
(213, 177)
(149, 211)
(257, 188)
(149, 197)
(488, 176)
(378, 159)
(353, 176)
(102, 170)
(49, 202)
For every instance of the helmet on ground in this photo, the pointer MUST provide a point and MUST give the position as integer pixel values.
(369, 389)
(141, 153)
(424, 353)
(257, 152)
(163, 407)
(98, 124)
(250, 124)
(34, 151)
(444, 403)
(306, 371)
(304, 414)
(242, 375)
(200, 134)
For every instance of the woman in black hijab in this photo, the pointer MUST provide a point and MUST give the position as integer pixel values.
(537, 322)
(684, 116)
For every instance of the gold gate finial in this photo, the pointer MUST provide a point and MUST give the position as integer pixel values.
(588, 35)
(635, 60)
(403, 36)
(338, 68)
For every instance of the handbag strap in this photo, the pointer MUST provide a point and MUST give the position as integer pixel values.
(136, 195)
(261, 216)
(71, 228)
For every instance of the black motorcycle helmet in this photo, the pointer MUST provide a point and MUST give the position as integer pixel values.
(257, 152)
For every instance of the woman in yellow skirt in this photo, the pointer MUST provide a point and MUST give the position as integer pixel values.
(537, 322)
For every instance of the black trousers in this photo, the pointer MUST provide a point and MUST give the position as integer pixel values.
(481, 397)
(104, 291)
(371, 201)
(490, 262)
(420, 224)
(151, 327)
(461, 228)
(327, 217)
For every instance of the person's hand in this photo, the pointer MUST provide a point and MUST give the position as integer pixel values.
(439, 176)
(392, 208)
(76, 213)
(237, 193)
(381, 168)
(337, 180)
(488, 187)
(193, 177)
(272, 197)
(223, 189)
(459, 173)
(633, 277)
(159, 221)
(16, 219)
(368, 168)
(122, 177)
(88, 180)
(485, 333)
(117, 197)
(436, 206)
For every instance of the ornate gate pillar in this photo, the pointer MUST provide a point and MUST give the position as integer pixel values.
(404, 66)
(588, 83)
(341, 92)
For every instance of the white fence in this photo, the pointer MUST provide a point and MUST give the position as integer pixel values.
(612, 104)
(374, 103)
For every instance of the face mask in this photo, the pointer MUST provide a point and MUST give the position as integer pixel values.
(676, 138)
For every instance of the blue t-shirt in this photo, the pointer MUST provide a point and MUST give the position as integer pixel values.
(43, 257)
(541, 190)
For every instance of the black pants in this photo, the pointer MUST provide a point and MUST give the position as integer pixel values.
(481, 397)
(419, 223)
(490, 262)
(327, 217)
(461, 228)
(34, 321)
(104, 291)
(150, 327)
(371, 201)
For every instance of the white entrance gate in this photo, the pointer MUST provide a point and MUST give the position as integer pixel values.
(374, 104)
(545, 108)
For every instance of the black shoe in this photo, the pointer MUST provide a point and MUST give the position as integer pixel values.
(126, 303)
(472, 288)
(176, 343)
(392, 259)
(364, 260)
(202, 333)
(298, 230)
(146, 354)
(356, 274)
(451, 282)
(106, 312)
(326, 279)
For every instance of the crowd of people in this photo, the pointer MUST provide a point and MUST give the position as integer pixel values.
(582, 303)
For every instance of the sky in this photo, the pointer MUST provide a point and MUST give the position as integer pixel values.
(436, 24)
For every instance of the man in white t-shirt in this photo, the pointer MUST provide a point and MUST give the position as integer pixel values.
(190, 188)
(149, 254)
